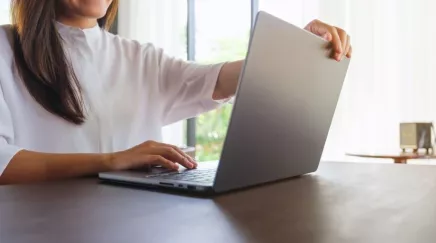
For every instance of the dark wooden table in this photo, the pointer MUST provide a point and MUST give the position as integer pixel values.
(341, 203)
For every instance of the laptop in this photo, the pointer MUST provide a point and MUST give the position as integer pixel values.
(283, 109)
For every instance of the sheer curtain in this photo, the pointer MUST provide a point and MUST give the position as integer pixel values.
(392, 77)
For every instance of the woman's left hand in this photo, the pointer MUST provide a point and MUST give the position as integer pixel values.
(339, 39)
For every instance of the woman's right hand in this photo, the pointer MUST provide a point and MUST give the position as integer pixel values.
(150, 153)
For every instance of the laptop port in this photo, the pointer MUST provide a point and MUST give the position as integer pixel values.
(166, 184)
(191, 187)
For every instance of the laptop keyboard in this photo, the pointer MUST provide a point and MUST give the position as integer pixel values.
(199, 176)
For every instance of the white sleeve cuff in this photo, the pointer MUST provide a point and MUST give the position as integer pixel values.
(211, 81)
(7, 152)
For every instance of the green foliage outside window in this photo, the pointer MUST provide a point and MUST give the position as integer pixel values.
(212, 126)
(211, 132)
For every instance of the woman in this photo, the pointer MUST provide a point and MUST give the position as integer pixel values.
(76, 100)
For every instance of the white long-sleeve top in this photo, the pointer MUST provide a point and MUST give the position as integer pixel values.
(130, 91)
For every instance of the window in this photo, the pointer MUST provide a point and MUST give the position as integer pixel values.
(225, 38)
(218, 38)
(4, 12)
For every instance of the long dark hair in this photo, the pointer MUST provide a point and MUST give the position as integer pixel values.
(41, 60)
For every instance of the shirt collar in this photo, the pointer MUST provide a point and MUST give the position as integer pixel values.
(74, 34)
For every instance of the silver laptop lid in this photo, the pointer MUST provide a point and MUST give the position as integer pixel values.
(283, 108)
